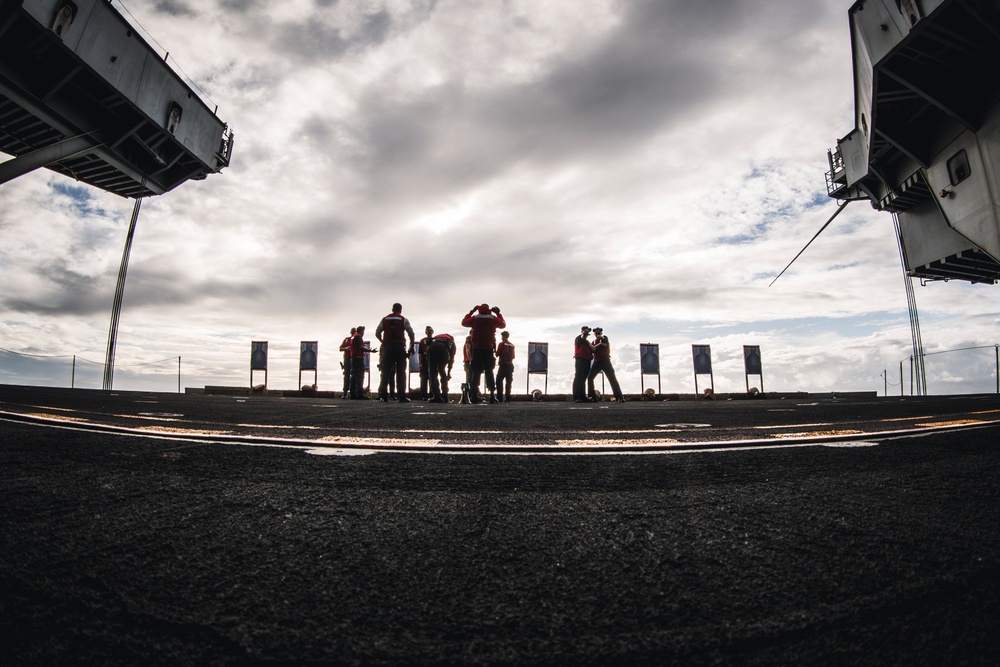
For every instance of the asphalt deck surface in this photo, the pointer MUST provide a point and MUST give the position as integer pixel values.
(212, 530)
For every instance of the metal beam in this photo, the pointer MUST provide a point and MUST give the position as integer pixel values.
(26, 101)
(43, 157)
(936, 98)
(901, 147)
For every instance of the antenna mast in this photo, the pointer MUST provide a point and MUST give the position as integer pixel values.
(911, 302)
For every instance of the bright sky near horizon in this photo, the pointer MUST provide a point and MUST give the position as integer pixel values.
(648, 166)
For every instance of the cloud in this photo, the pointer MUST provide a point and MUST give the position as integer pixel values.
(173, 8)
(646, 165)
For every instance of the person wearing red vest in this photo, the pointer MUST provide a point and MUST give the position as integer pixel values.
(602, 364)
(392, 332)
(358, 350)
(583, 356)
(440, 360)
(483, 322)
(505, 368)
(345, 347)
(422, 348)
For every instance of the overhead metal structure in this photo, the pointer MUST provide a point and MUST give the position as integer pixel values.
(82, 94)
(926, 142)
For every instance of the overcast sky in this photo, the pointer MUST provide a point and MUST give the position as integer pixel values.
(645, 166)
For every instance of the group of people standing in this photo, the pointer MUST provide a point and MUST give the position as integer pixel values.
(436, 355)
(481, 354)
(593, 358)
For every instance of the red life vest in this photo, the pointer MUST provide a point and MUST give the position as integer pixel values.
(393, 328)
(358, 347)
(484, 329)
(582, 349)
(505, 352)
(422, 347)
(603, 352)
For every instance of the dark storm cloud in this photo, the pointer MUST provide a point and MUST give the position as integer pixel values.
(149, 287)
(656, 67)
(315, 41)
(173, 8)
(662, 294)
(318, 131)
(240, 6)
(661, 66)
(313, 235)
(650, 72)
(65, 292)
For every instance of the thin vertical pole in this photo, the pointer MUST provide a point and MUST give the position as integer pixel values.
(178, 374)
(901, 378)
(996, 349)
(72, 377)
(911, 300)
(116, 308)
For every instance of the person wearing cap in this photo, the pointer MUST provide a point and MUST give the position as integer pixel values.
(602, 364)
(505, 367)
(483, 322)
(358, 350)
(424, 344)
(583, 355)
(392, 332)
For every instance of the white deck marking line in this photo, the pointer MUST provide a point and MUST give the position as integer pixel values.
(423, 447)
(279, 427)
(953, 422)
(814, 434)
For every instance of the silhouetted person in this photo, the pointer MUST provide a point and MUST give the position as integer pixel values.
(583, 357)
(483, 323)
(440, 359)
(602, 364)
(392, 332)
(505, 365)
(358, 349)
(345, 347)
(425, 343)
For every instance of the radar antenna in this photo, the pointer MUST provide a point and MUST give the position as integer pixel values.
(835, 214)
